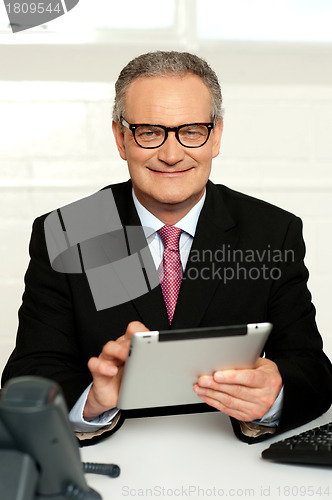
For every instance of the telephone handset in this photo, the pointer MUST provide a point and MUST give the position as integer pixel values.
(39, 454)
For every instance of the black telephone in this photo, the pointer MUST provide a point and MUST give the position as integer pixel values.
(39, 454)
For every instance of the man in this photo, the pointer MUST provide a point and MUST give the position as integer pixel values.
(167, 123)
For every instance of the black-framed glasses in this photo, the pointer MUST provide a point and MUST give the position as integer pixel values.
(189, 135)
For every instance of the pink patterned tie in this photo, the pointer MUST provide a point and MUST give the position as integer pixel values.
(171, 275)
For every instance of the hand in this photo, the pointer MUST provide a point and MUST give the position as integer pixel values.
(107, 372)
(245, 394)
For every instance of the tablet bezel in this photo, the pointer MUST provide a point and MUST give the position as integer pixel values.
(162, 366)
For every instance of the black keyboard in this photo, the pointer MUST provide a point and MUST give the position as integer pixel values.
(310, 447)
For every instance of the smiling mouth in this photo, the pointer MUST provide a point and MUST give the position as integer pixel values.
(170, 171)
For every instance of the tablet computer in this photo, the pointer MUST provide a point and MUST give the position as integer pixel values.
(162, 366)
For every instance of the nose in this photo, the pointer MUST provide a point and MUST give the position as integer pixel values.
(171, 152)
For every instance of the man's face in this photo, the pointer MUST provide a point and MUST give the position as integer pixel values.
(171, 177)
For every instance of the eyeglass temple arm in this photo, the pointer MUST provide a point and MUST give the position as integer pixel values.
(125, 123)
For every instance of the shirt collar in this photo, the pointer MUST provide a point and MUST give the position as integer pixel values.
(151, 224)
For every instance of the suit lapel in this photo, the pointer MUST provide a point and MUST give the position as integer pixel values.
(150, 306)
(216, 231)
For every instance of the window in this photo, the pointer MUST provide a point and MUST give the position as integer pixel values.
(265, 20)
(182, 22)
(133, 14)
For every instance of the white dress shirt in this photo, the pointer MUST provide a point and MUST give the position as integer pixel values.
(151, 225)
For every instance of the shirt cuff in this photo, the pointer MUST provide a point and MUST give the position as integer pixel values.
(76, 416)
(272, 417)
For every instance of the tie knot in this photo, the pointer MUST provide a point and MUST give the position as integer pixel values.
(170, 236)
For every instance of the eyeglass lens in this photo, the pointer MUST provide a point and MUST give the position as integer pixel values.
(189, 135)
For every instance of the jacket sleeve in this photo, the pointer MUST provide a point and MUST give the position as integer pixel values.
(295, 344)
(297, 348)
(47, 343)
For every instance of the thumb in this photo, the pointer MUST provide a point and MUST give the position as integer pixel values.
(261, 362)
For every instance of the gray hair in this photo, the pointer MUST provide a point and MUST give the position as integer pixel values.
(161, 63)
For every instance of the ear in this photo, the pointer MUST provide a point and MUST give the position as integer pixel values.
(217, 133)
(119, 139)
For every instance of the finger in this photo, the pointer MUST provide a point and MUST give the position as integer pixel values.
(236, 391)
(264, 372)
(115, 350)
(246, 413)
(135, 327)
(233, 396)
(99, 367)
(246, 377)
(264, 362)
(132, 328)
(254, 402)
(263, 395)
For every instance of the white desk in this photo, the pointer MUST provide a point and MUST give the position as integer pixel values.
(199, 457)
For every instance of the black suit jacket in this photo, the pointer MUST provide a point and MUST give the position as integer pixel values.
(246, 265)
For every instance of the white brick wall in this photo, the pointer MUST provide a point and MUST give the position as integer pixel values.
(56, 146)
(277, 146)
